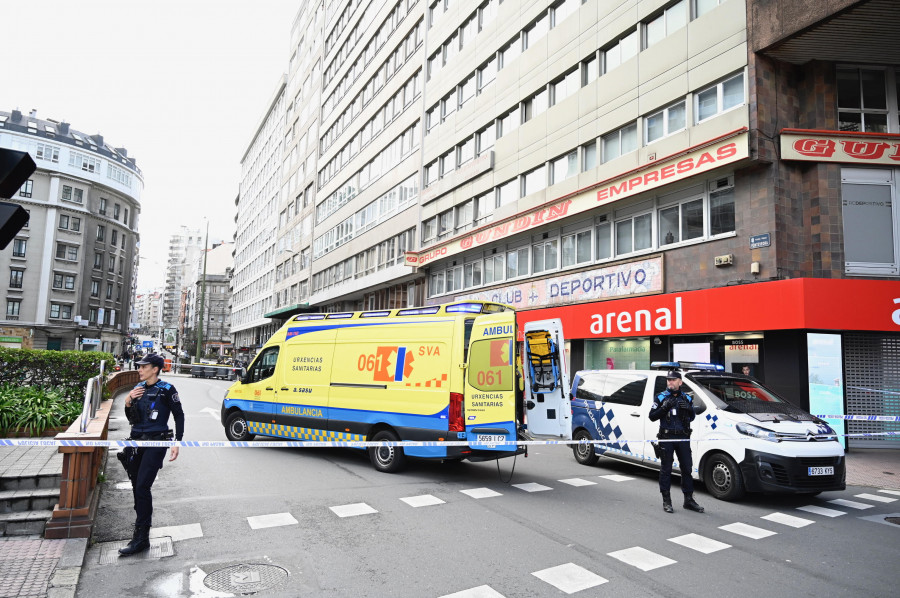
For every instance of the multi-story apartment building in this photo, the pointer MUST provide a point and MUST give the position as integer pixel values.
(69, 276)
(149, 313)
(185, 248)
(218, 263)
(709, 180)
(256, 243)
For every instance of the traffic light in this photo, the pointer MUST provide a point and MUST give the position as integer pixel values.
(15, 168)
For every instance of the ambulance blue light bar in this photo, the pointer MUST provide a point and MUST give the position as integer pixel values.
(340, 316)
(308, 317)
(468, 308)
(375, 314)
(419, 311)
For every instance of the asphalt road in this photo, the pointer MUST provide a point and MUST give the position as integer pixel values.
(562, 532)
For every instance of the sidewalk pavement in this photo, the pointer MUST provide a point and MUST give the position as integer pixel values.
(32, 567)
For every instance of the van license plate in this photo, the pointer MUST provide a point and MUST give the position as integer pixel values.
(821, 471)
(489, 438)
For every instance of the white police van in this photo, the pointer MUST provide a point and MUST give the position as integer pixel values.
(745, 437)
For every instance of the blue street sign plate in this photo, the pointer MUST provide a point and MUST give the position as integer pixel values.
(757, 241)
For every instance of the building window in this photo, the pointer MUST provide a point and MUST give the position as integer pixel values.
(545, 256)
(98, 260)
(484, 207)
(665, 122)
(61, 311)
(510, 121)
(95, 288)
(681, 222)
(465, 216)
(486, 138)
(47, 152)
(619, 142)
(564, 9)
(92, 315)
(590, 69)
(510, 52)
(109, 289)
(112, 264)
(466, 90)
(26, 189)
(116, 209)
(589, 161)
(448, 163)
(472, 275)
(101, 233)
(604, 241)
(66, 252)
(15, 278)
(114, 237)
(466, 150)
(84, 162)
(517, 263)
(537, 30)
(445, 224)
(673, 18)
(534, 181)
(494, 268)
(634, 234)
(66, 193)
(565, 87)
(701, 7)
(870, 219)
(624, 48)
(64, 281)
(576, 248)
(102, 209)
(721, 210)
(507, 192)
(719, 98)
(564, 167)
(863, 99)
(12, 307)
(487, 73)
(536, 104)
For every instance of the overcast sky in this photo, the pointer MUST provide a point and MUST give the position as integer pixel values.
(181, 84)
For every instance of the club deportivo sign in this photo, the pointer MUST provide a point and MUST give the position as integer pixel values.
(699, 159)
(837, 146)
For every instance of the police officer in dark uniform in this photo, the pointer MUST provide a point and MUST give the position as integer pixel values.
(148, 407)
(675, 412)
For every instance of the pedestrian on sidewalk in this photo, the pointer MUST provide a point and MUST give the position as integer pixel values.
(675, 412)
(148, 407)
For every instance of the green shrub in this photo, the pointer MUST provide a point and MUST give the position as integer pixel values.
(66, 371)
(33, 409)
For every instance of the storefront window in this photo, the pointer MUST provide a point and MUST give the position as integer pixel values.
(870, 221)
(631, 354)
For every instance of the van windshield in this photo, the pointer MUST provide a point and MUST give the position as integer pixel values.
(742, 395)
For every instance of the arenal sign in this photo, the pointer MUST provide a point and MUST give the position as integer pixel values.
(712, 154)
(838, 146)
(796, 304)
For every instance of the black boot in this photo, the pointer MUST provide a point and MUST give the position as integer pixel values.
(691, 504)
(667, 502)
(140, 541)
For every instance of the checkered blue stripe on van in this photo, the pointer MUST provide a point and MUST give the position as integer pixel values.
(606, 422)
(299, 433)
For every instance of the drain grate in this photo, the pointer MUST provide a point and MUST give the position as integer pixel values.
(246, 578)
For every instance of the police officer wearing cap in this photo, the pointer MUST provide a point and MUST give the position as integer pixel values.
(148, 407)
(675, 412)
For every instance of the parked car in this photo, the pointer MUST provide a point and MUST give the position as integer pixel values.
(745, 437)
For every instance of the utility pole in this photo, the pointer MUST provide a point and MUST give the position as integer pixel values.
(202, 310)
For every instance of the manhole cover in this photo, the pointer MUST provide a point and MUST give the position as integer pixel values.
(245, 578)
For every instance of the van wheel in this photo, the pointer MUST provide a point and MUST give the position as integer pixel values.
(723, 477)
(236, 428)
(387, 459)
(584, 453)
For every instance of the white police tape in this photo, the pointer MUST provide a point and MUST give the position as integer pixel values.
(866, 418)
(369, 443)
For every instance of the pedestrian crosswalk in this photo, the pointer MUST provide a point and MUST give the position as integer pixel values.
(572, 578)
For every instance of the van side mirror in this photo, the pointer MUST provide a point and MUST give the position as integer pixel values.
(245, 379)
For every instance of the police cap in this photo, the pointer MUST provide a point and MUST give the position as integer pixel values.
(673, 375)
(154, 360)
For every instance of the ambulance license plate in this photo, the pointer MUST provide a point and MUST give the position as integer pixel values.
(490, 439)
(821, 471)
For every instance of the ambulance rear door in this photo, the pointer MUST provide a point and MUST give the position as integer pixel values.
(548, 411)
(489, 404)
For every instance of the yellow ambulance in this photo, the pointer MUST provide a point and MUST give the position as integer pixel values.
(437, 373)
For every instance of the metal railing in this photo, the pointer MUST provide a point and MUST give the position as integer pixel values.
(93, 394)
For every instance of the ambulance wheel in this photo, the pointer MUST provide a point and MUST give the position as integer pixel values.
(723, 477)
(236, 428)
(584, 453)
(387, 459)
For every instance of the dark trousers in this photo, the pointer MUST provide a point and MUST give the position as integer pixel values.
(151, 461)
(685, 463)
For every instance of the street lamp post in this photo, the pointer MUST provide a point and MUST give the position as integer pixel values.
(202, 310)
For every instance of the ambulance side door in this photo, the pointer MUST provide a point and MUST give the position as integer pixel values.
(548, 410)
(489, 403)
(259, 390)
